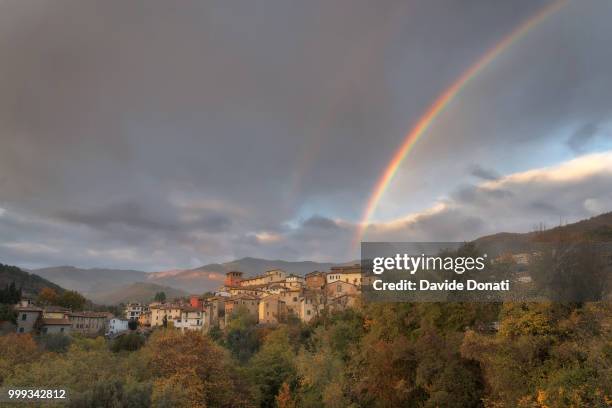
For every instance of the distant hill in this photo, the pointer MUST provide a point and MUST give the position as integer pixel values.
(29, 283)
(98, 283)
(256, 266)
(103, 285)
(598, 229)
(211, 276)
(139, 292)
(90, 280)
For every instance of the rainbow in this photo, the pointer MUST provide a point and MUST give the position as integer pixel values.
(439, 105)
(356, 67)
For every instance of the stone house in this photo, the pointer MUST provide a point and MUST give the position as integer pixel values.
(272, 310)
(55, 326)
(28, 318)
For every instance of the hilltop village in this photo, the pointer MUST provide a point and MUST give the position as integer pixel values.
(270, 299)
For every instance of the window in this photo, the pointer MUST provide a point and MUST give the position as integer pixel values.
(44, 330)
(308, 312)
(21, 330)
(339, 288)
(24, 316)
(61, 329)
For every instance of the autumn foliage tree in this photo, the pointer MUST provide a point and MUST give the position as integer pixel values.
(190, 370)
(72, 300)
(47, 296)
(271, 366)
(16, 349)
(284, 399)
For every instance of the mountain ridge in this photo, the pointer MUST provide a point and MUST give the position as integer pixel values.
(98, 282)
(29, 283)
(208, 277)
(136, 292)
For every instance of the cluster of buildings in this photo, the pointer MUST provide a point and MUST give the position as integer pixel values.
(54, 319)
(270, 298)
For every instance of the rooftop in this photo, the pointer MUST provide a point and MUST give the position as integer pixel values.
(28, 309)
(56, 322)
(90, 314)
(56, 309)
(190, 309)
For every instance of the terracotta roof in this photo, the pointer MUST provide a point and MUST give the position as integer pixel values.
(166, 306)
(346, 269)
(56, 309)
(56, 322)
(242, 297)
(89, 314)
(190, 309)
(315, 273)
(274, 297)
(28, 309)
(338, 282)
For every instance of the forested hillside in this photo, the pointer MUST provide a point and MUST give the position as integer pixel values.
(28, 282)
(383, 355)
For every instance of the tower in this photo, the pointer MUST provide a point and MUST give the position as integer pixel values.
(233, 278)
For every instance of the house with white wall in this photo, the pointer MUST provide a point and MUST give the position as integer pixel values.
(116, 325)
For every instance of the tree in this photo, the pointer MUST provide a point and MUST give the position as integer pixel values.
(242, 336)
(56, 342)
(271, 367)
(570, 271)
(48, 296)
(128, 342)
(113, 393)
(10, 294)
(16, 349)
(160, 297)
(191, 368)
(7, 313)
(321, 372)
(284, 398)
(93, 375)
(72, 300)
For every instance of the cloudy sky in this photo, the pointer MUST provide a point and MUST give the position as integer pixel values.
(157, 135)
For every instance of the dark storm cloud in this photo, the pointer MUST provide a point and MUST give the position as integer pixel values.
(482, 173)
(319, 222)
(158, 134)
(214, 223)
(129, 214)
(546, 208)
(581, 137)
(470, 194)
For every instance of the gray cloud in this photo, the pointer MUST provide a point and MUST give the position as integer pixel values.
(482, 173)
(127, 214)
(152, 136)
(571, 191)
(319, 222)
(581, 137)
